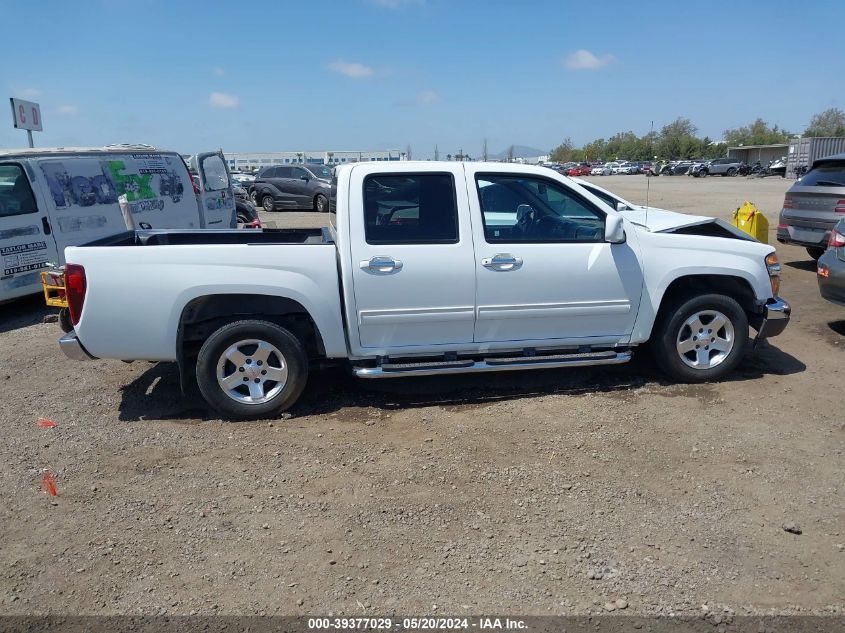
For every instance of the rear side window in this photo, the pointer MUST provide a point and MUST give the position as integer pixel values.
(270, 172)
(15, 193)
(825, 176)
(282, 172)
(410, 209)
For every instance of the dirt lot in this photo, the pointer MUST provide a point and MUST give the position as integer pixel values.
(535, 493)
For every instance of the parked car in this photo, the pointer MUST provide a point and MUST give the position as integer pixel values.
(601, 170)
(699, 168)
(54, 198)
(301, 186)
(247, 214)
(831, 268)
(541, 274)
(583, 169)
(724, 167)
(813, 206)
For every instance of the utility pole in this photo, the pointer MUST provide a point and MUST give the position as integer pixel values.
(436, 153)
(484, 150)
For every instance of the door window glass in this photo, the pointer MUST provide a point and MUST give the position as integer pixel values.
(15, 193)
(282, 172)
(215, 174)
(410, 209)
(518, 208)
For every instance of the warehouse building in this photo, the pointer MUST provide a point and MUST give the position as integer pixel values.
(248, 161)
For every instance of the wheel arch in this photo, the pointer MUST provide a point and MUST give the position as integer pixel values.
(686, 285)
(203, 315)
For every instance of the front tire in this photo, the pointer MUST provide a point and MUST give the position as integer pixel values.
(815, 252)
(251, 369)
(731, 172)
(701, 338)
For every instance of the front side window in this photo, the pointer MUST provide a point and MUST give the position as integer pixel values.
(521, 208)
(410, 209)
(15, 193)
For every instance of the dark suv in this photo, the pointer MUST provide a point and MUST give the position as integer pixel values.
(293, 187)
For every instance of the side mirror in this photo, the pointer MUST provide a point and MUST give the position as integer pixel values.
(614, 230)
(305, 178)
(621, 206)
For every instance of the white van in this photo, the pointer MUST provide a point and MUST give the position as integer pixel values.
(53, 198)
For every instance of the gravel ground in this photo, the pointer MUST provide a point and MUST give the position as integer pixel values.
(574, 491)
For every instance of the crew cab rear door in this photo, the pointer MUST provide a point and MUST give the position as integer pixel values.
(412, 264)
(217, 200)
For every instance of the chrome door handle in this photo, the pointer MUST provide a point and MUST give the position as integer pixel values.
(381, 265)
(502, 261)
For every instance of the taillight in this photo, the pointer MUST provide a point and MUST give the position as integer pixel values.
(823, 271)
(76, 285)
(255, 224)
(787, 202)
(840, 206)
(837, 239)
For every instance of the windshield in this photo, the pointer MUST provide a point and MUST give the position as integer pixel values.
(321, 171)
(825, 176)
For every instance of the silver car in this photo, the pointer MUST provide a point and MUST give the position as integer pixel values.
(813, 206)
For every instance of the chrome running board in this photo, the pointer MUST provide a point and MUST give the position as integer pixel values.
(435, 368)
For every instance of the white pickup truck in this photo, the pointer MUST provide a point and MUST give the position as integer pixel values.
(428, 268)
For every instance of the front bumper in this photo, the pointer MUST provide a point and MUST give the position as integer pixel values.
(775, 318)
(72, 348)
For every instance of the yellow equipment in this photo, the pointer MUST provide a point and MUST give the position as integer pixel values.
(750, 219)
(53, 283)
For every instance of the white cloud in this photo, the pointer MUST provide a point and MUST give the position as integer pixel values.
(219, 71)
(224, 100)
(585, 60)
(396, 4)
(350, 69)
(25, 93)
(427, 97)
(67, 109)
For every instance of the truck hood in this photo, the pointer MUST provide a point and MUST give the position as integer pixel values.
(660, 220)
(663, 221)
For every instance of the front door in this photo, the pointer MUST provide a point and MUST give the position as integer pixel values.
(300, 189)
(26, 240)
(217, 200)
(544, 272)
(412, 260)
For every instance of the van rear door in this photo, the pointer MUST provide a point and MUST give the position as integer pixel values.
(83, 190)
(26, 241)
(217, 200)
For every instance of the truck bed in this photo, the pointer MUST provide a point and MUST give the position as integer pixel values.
(183, 237)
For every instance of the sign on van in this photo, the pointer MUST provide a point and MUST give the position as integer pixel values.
(26, 115)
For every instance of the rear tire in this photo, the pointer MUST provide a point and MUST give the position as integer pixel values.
(321, 203)
(251, 369)
(731, 172)
(689, 351)
(815, 252)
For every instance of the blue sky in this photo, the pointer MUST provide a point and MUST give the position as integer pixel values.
(373, 74)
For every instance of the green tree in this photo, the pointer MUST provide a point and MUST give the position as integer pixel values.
(831, 122)
(757, 133)
(678, 140)
(564, 152)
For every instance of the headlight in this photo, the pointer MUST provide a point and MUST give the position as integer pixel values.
(773, 266)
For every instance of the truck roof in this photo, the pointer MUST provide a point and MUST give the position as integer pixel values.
(106, 149)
